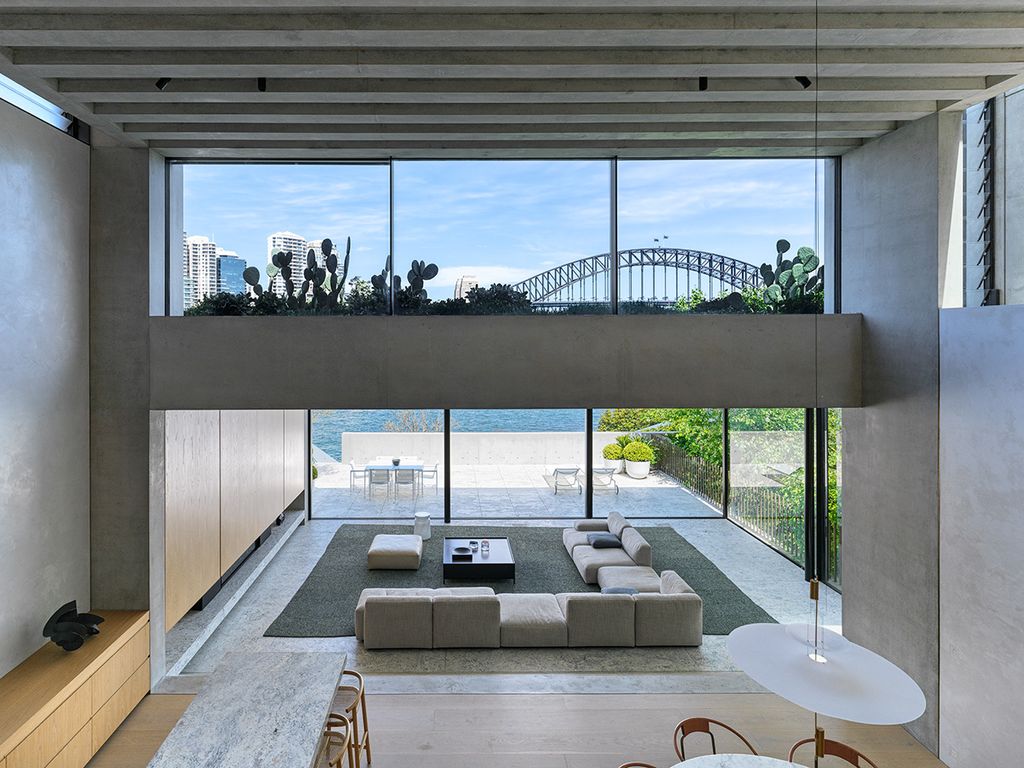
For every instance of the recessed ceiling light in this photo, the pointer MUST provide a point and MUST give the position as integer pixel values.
(261, 84)
(805, 82)
(702, 83)
(162, 83)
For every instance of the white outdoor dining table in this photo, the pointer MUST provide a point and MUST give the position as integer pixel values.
(734, 761)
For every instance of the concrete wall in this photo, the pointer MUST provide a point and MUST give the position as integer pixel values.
(982, 520)
(505, 362)
(124, 184)
(473, 448)
(1009, 239)
(44, 349)
(892, 231)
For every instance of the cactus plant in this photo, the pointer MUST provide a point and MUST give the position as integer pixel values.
(793, 278)
(251, 276)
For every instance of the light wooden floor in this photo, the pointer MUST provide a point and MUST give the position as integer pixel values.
(140, 736)
(550, 731)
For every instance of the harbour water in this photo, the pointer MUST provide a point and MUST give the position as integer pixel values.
(328, 425)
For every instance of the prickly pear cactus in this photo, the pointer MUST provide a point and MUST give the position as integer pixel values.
(792, 278)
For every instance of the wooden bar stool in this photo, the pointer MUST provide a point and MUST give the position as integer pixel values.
(350, 698)
(337, 742)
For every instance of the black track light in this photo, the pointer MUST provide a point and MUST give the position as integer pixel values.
(162, 83)
(702, 83)
(805, 82)
(261, 84)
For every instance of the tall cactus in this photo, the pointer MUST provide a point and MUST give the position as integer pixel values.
(792, 278)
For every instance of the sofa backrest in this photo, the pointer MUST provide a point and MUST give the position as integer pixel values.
(467, 621)
(398, 621)
(617, 523)
(636, 546)
(593, 619)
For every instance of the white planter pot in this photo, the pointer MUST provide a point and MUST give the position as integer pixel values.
(615, 464)
(638, 470)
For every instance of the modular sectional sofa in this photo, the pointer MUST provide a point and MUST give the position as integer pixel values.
(474, 617)
(589, 560)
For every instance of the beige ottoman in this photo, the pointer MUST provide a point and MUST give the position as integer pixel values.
(638, 577)
(394, 552)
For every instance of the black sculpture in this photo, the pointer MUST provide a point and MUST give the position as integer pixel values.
(68, 628)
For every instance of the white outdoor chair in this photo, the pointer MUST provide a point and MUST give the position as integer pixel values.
(432, 474)
(604, 479)
(567, 478)
(378, 478)
(407, 478)
(354, 472)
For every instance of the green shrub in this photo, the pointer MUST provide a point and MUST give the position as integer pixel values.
(623, 440)
(315, 473)
(637, 451)
(612, 451)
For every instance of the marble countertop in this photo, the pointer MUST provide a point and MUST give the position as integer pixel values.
(256, 710)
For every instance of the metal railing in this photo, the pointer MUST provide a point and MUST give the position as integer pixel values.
(701, 478)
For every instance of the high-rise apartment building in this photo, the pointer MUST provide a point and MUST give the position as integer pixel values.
(287, 241)
(200, 267)
(229, 272)
(464, 285)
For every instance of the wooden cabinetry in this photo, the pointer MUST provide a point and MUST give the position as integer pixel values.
(58, 708)
(251, 478)
(295, 453)
(192, 509)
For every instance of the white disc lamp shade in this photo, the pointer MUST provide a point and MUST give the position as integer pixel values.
(847, 681)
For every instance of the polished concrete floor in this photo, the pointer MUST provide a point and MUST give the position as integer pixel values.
(769, 579)
(518, 490)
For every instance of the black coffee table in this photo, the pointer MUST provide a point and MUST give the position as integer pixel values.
(493, 566)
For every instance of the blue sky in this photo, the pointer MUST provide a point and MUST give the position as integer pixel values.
(503, 221)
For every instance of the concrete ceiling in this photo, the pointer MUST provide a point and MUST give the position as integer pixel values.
(480, 78)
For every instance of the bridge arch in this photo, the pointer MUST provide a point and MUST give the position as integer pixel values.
(555, 285)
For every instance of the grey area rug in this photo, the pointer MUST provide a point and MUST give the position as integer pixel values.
(324, 606)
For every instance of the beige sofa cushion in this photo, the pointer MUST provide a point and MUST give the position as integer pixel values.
(672, 619)
(593, 619)
(638, 577)
(409, 591)
(591, 525)
(589, 560)
(531, 621)
(636, 546)
(467, 621)
(672, 583)
(617, 523)
(395, 552)
(398, 621)
(572, 538)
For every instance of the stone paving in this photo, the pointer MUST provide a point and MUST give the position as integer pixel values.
(519, 491)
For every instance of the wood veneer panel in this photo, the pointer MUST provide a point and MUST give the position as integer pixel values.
(37, 687)
(77, 753)
(119, 706)
(252, 478)
(112, 675)
(192, 509)
(57, 730)
(295, 453)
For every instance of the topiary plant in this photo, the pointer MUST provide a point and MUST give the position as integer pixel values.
(637, 451)
(612, 451)
(623, 440)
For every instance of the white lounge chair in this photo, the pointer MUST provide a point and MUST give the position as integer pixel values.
(604, 479)
(566, 478)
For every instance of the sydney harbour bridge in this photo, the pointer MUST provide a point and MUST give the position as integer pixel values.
(651, 275)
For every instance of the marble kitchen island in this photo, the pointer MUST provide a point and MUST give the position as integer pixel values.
(256, 710)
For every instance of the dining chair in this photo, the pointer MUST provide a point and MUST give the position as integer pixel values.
(350, 697)
(837, 749)
(337, 742)
(406, 478)
(432, 474)
(354, 472)
(637, 765)
(703, 725)
(378, 478)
